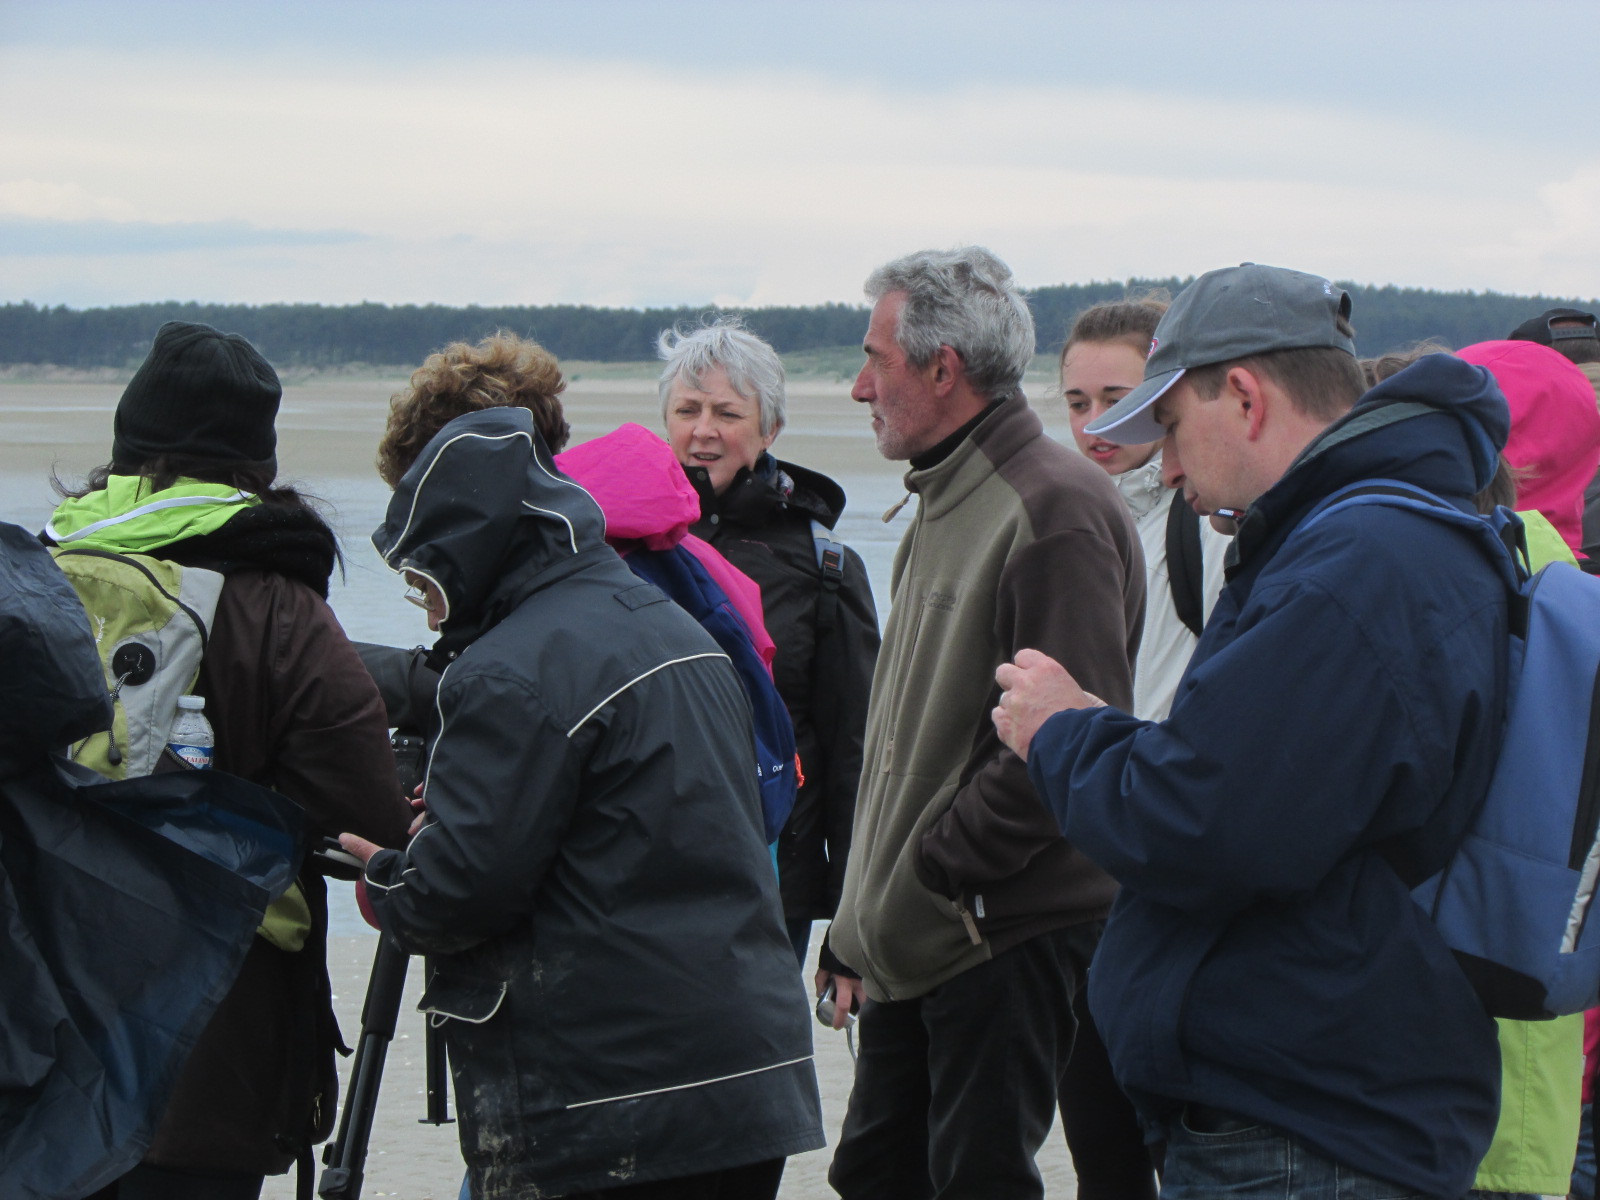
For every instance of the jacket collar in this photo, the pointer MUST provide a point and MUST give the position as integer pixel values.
(753, 495)
(1141, 488)
(1006, 427)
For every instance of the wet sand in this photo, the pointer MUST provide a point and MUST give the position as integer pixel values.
(329, 428)
(423, 1162)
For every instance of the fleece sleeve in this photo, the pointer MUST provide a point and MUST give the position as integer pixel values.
(1072, 596)
(1279, 751)
(501, 788)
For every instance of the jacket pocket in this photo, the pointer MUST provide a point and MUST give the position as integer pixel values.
(452, 997)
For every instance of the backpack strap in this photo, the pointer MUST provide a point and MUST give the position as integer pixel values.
(830, 555)
(830, 566)
(1185, 566)
(1500, 534)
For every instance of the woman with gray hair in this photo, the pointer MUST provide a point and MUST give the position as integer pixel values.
(722, 398)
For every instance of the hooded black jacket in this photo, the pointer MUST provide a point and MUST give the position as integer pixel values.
(827, 641)
(592, 867)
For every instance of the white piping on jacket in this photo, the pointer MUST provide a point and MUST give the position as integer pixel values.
(411, 516)
(153, 506)
(658, 667)
(572, 534)
(679, 1087)
(574, 483)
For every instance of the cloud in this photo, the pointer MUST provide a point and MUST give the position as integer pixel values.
(33, 198)
(514, 178)
(25, 236)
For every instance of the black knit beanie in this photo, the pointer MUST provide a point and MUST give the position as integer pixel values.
(201, 394)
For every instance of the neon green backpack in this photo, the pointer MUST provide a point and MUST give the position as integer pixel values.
(150, 620)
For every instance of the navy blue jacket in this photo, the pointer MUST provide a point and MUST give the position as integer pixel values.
(1341, 712)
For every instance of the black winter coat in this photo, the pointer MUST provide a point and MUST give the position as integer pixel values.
(827, 640)
(592, 869)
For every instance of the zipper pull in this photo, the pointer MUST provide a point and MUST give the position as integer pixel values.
(895, 510)
(114, 754)
(966, 919)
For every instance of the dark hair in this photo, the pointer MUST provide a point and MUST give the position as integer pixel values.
(501, 371)
(165, 470)
(1321, 382)
(1577, 350)
(1130, 321)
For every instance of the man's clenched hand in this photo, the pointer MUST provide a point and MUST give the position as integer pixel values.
(1033, 689)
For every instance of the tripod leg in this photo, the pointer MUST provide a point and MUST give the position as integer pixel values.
(434, 1050)
(346, 1155)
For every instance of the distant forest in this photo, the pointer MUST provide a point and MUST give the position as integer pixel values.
(316, 335)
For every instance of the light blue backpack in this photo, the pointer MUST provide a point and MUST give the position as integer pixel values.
(1514, 901)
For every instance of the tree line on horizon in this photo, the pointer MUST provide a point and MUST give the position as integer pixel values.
(318, 336)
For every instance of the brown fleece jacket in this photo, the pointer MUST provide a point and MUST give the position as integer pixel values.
(1017, 542)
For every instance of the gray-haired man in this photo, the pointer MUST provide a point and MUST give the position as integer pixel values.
(968, 917)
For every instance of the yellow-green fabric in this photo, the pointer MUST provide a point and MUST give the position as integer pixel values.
(1544, 543)
(1541, 1090)
(287, 921)
(127, 517)
(1541, 1062)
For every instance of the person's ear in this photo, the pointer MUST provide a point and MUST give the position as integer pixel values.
(945, 369)
(1252, 403)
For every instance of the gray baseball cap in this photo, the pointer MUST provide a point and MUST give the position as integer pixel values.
(1224, 315)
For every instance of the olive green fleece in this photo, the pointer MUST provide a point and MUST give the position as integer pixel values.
(1017, 542)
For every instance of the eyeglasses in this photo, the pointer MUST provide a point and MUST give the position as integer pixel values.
(417, 593)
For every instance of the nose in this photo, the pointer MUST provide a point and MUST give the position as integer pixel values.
(704, 426)
(863, 390)
(1171, 466)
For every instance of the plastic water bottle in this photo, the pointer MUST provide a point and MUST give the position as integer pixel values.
(191, 738)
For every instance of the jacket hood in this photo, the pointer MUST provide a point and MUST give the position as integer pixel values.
(1555, 429)
(484, 515)
(1439, 424)
(53, 677)
(633, 476)
(128, 517)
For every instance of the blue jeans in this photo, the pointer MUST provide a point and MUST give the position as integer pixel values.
(1261, 1163)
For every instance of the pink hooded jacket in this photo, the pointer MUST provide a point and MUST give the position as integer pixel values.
(648, 501)
(1555, 429)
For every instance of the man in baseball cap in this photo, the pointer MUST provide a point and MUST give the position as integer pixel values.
(1570, 331)
(1274, 1002)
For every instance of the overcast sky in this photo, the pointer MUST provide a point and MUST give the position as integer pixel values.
(645, 152)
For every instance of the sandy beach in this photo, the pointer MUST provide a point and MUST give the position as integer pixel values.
(412, 1161)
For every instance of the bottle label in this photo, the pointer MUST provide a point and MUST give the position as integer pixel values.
(198, 757)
